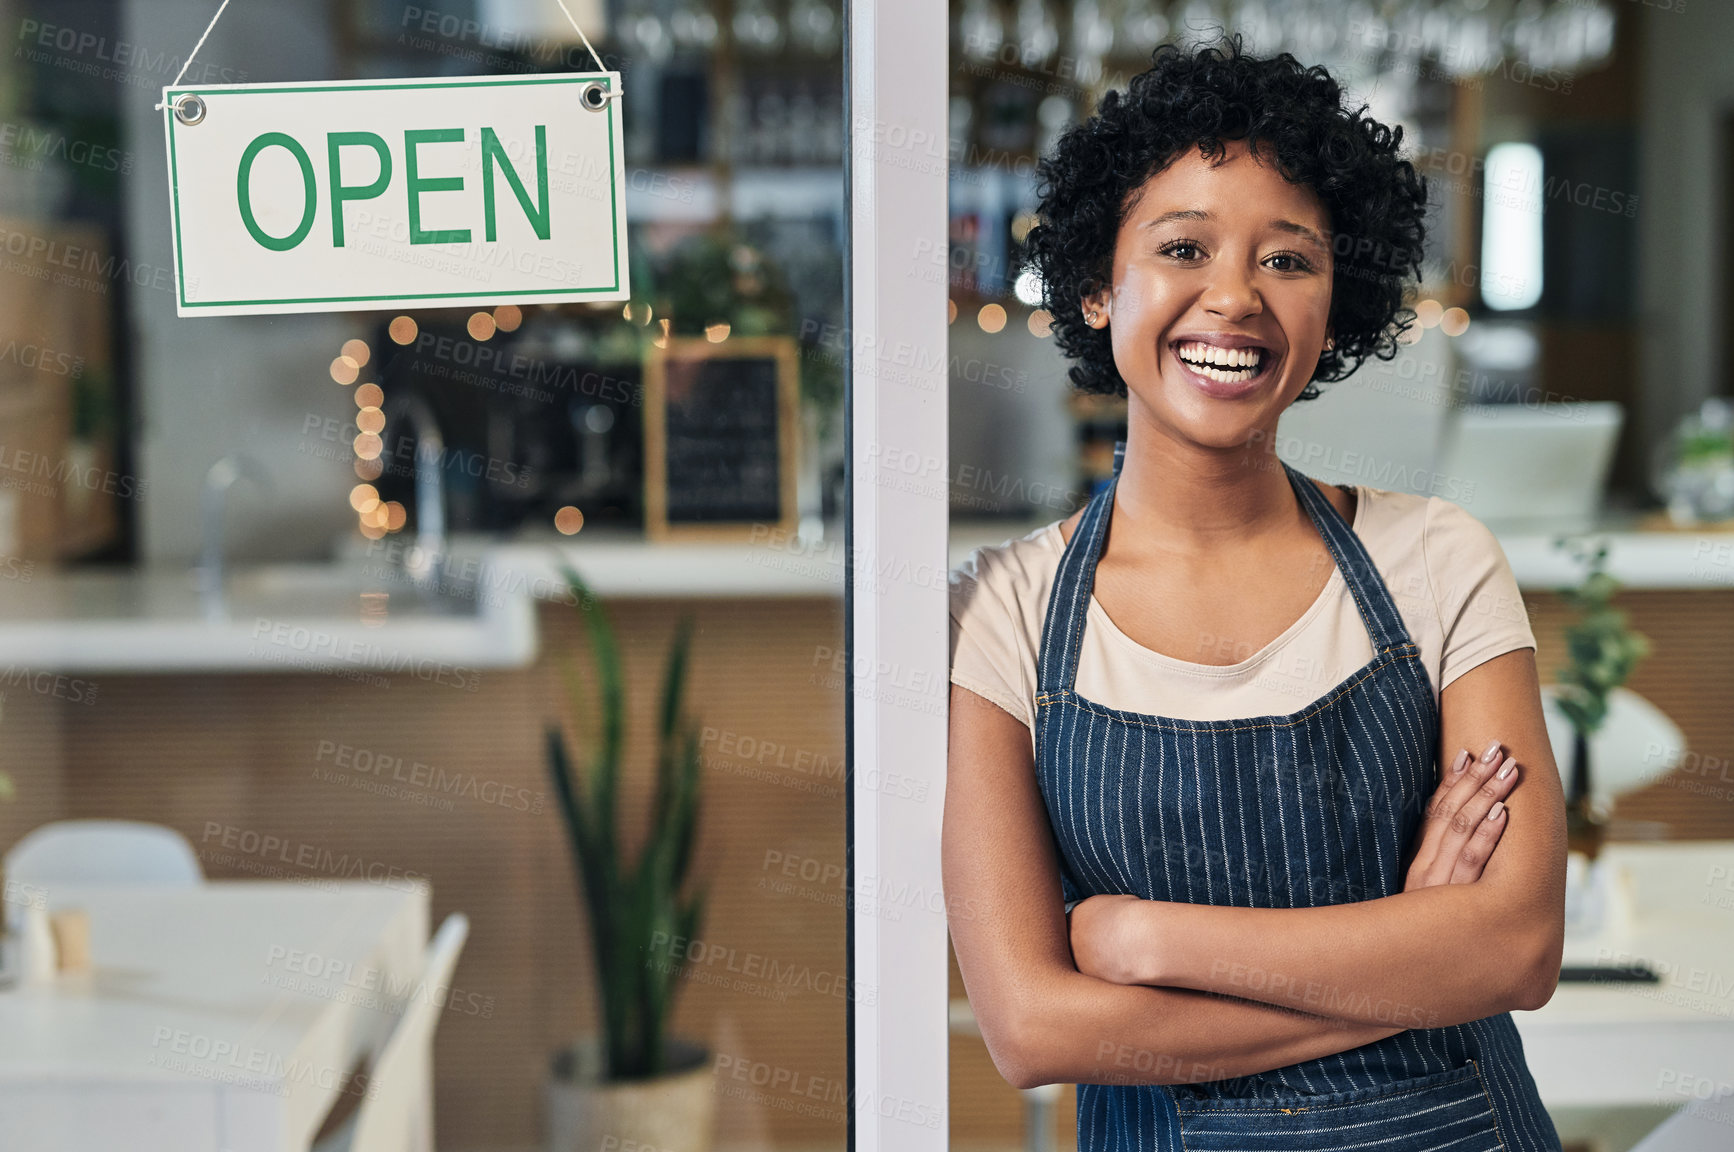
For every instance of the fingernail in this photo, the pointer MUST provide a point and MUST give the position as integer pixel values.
(1492, 751)
(1505, 770)
(1461, 762)
(1498, 807)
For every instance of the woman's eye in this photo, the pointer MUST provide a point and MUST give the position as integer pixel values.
(1184, 250)
(1289, 263)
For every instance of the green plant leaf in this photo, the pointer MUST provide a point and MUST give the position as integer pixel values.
(635, 910)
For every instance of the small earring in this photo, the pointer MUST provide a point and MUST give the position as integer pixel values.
(1330, 343)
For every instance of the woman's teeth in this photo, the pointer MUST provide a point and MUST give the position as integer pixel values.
(1225, 365)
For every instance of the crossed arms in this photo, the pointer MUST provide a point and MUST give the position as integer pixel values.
(1149, 992)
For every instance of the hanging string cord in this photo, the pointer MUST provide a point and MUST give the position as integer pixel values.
(578, 30)
(188, 62)
(600, 67)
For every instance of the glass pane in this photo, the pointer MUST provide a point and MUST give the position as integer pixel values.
(1516, 394)
(293, 595)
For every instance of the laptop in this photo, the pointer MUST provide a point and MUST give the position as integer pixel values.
(1538, 468)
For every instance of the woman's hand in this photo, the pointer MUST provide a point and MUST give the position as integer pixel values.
(1110, 938)
(1464, 820)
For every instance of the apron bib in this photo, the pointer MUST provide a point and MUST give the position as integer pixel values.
(1301, 810)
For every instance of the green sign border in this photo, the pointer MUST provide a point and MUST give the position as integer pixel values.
(170, 96)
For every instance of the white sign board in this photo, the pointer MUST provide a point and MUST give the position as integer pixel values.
(371, 194)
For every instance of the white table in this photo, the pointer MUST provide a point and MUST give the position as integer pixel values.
(1610, 1045)
(218, 1018)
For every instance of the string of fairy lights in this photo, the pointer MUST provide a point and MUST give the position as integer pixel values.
(377, 517)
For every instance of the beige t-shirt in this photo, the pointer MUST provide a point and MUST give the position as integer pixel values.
(1445, 570)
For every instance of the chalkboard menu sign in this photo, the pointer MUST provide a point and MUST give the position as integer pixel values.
(720, 437)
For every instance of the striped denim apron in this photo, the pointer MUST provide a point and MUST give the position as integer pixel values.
(1296, 811)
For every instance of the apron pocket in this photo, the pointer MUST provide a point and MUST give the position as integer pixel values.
(1442, 1112)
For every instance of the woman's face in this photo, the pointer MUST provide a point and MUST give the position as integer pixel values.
(1221, 296)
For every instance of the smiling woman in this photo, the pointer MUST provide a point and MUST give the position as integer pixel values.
(1198, 795)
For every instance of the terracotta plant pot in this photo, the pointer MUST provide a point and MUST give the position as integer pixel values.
(674, 1112)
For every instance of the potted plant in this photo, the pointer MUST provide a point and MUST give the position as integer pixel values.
(1601, 652)
(634, 1085)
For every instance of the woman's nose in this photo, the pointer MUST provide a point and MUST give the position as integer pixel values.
(1231, 294)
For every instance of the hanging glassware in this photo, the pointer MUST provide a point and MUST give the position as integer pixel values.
(643, 34)
(983, 29)
(1143, 26)
(756, 27)
(1038, 33)
(1092, 38)
(1472, 44)
(693, 26)
(1259, 24)
(1305, 29)
(814, 26)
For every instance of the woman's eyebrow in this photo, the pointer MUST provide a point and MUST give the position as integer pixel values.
(1176, 214)
(1290, 226)
(1301, 230)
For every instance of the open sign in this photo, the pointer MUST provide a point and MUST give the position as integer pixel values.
(381, 194)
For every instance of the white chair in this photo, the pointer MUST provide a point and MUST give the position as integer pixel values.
(1635, 746)
(396, 1111)
(103, 852)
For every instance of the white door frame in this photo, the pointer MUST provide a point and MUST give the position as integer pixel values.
(897, 636)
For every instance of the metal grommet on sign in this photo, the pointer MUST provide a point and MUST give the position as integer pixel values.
(189, 108)
(594, 96)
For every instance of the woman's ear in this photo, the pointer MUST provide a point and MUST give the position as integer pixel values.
(1096, 312)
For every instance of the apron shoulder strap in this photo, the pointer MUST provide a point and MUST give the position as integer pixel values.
(1378, 611)
(1069, 599)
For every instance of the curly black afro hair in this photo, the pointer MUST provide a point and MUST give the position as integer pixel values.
(1201, 98)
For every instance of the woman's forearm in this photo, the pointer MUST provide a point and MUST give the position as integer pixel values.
(1427, 958)
(1090, 1031)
